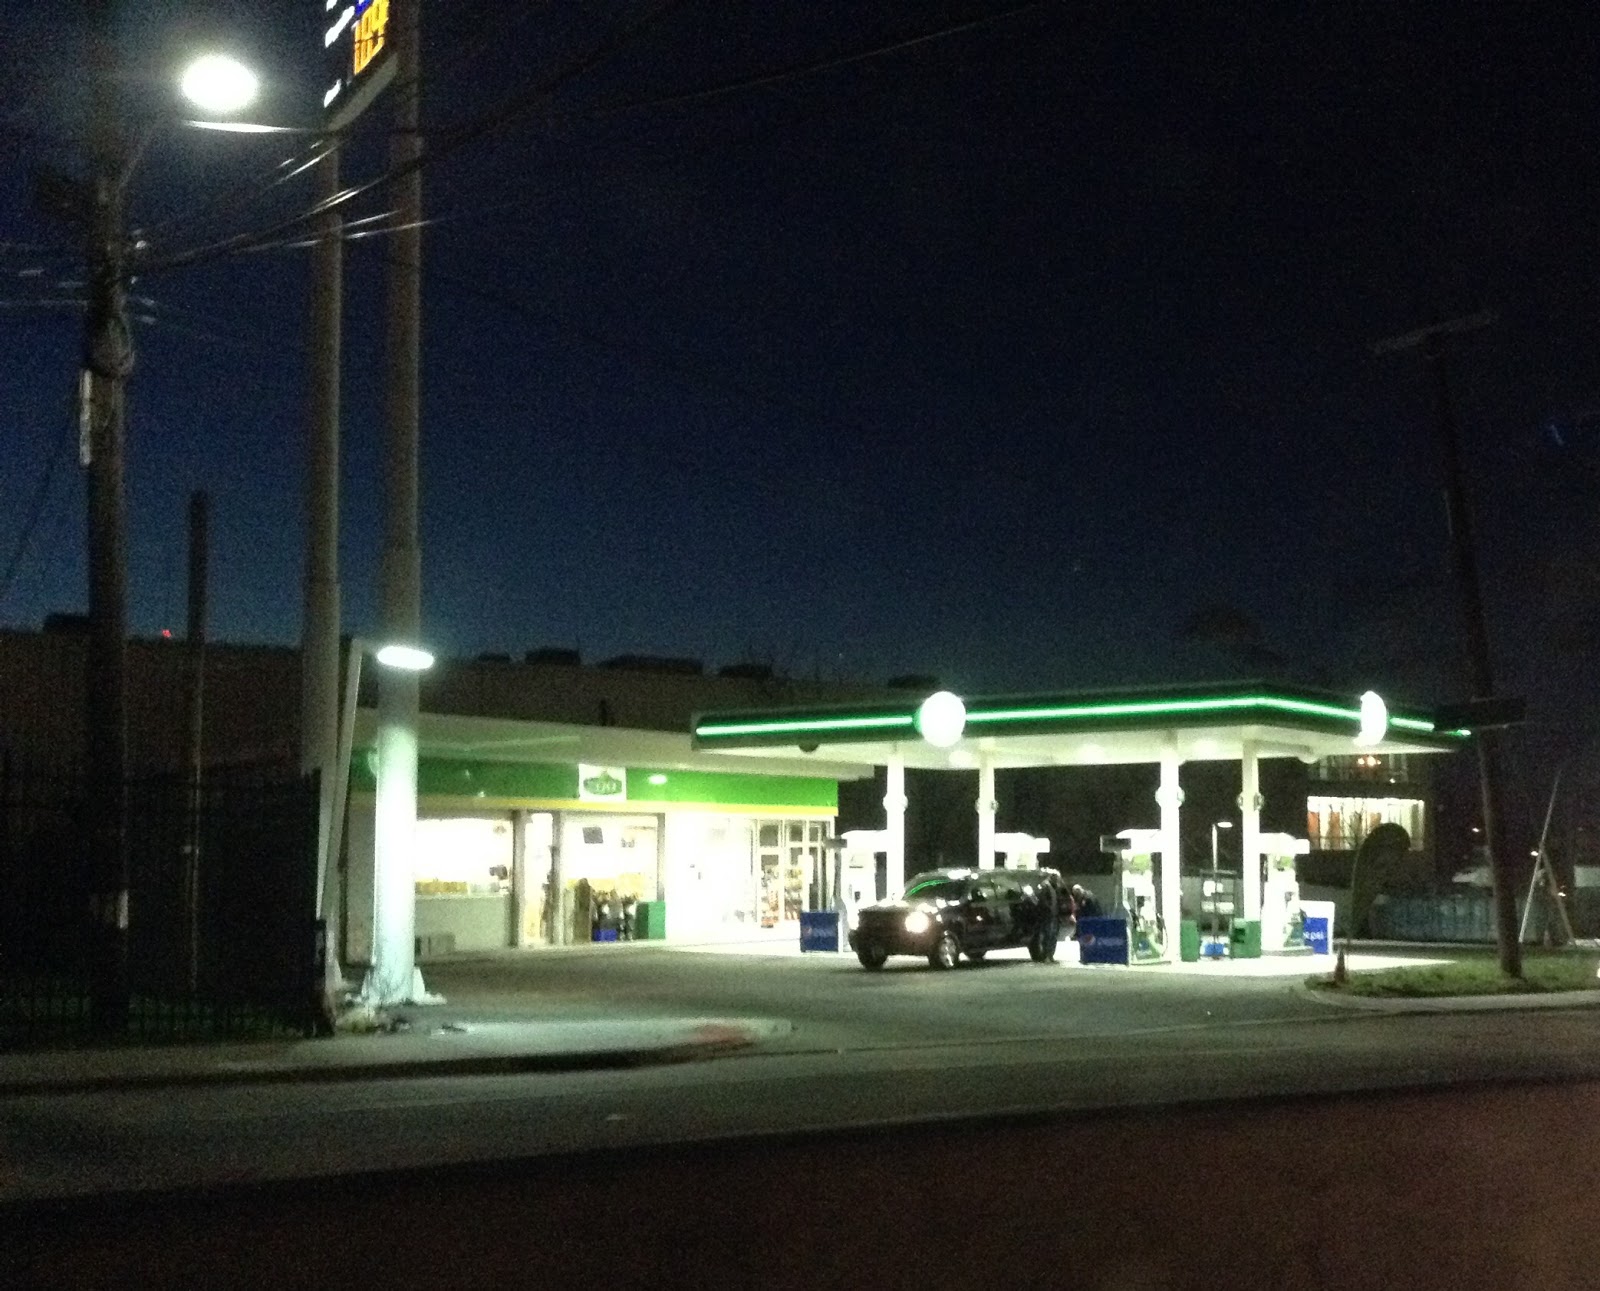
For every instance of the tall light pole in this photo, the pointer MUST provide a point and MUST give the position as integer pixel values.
(403, 657)
(1221, 824)
(319, 632)
(393, 977)
(1215, 826)
(217, 84)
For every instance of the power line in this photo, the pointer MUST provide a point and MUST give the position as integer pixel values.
(41, 492)
(452, 139)
(779, 75)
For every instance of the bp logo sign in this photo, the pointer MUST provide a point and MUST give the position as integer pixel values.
(602, 784)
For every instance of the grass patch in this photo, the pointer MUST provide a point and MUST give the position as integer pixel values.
(1543, 973)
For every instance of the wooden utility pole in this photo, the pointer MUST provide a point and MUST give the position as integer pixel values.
(107, 362)
(1480, 674)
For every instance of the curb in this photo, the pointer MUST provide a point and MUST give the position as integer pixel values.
(712, 1040)
(1453, 1003)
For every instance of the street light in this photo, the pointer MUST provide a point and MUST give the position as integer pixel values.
(1221, 824)
(1215, 912)
(97, 208)
(402, 657)
(217, 83)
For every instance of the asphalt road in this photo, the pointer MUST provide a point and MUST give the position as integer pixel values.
(867, 1051)
(1462, 1188)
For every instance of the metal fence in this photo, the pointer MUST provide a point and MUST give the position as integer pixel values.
(222, 934)
(1469, 917)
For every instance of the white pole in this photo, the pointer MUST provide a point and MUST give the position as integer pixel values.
(1250, 831)
(1171, 894)
(894, 812)
(986, 808)
(319, 630)
(341, 788)
(394, 978)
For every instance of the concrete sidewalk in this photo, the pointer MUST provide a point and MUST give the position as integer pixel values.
(434, 1044)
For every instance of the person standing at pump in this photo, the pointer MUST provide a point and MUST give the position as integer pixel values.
(1050, 917)
(1084, 903)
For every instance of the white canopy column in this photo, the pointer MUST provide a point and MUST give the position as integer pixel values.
(987, 806)
(894, 825)
(1170, 798)
(1250, 830)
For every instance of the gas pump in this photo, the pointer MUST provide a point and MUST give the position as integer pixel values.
(1020, 851)
(859, 850)
(1282, 920)
(1134, 890)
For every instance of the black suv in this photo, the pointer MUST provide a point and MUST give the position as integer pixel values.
(945, 914)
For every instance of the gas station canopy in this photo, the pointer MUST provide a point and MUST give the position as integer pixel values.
(1202, 723)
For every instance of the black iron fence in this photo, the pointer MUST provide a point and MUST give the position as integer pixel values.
(222, 934)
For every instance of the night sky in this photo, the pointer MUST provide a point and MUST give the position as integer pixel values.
(1037, 355)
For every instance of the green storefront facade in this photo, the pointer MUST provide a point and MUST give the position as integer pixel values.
(525, 828)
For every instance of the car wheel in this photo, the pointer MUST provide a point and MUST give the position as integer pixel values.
(946, 951)
(872, 954)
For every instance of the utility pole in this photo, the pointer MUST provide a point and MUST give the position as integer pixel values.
(319, 644)
(1480, 673)
(393, 977)
(107, 362)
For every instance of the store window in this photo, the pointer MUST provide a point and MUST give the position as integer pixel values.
(463, 857)
(1340, 824)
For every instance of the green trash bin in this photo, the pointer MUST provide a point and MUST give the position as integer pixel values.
(650, 921)
(1189, 941)
(1244, 939)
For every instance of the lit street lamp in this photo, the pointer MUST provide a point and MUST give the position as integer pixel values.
(217, 83)
(1221, 824)
(1216, 929)
(97, 208)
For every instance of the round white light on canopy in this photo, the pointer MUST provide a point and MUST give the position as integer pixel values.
(941, 719)
(1374, 719)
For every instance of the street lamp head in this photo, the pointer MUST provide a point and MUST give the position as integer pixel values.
(217, 83)
(406, 658)
(1224, 824)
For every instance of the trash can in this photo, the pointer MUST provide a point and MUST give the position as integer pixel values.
(650, 921)
(1244, 939)
(1189, 941)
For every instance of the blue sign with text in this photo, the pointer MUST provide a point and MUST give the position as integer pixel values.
(819, 930)
(1318, 936)
(1103, 940)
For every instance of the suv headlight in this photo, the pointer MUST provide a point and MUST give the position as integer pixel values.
(918, 922)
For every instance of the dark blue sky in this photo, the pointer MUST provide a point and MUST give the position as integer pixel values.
(996, 358)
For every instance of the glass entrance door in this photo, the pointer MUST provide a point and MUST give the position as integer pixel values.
(793, 870)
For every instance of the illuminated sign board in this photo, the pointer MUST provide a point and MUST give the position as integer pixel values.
(358, 49)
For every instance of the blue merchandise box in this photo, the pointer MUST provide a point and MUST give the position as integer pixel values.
(1103, 940)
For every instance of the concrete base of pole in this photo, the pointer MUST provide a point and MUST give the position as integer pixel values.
(374, 995)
